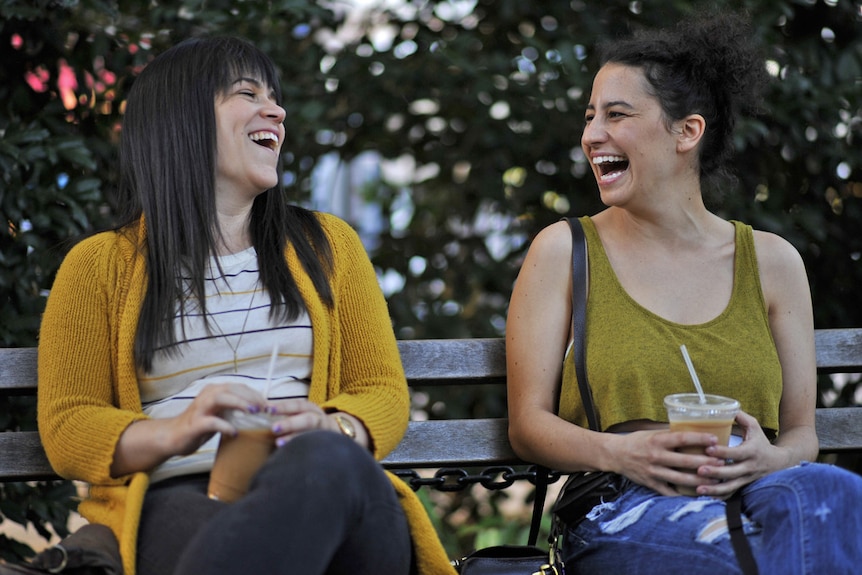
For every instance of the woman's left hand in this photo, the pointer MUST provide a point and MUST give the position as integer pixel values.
(752, 459)
(297, 416)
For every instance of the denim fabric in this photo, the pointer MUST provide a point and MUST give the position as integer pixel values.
(802, 520)
(320, 504)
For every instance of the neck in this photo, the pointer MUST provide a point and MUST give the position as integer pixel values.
(233, 208)
(234, 234)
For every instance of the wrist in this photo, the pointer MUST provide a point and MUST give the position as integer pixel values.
(608, 451)
(345, 423)
(360, 434)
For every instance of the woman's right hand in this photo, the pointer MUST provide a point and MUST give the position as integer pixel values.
(202, 418)
(652, 458)
(147, 443)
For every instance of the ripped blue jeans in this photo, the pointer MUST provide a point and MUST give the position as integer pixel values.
(802, 520)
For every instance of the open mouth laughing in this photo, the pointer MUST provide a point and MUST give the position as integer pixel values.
(610, 166)
(265, 139)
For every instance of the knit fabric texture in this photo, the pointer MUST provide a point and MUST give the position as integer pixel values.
(88, 388)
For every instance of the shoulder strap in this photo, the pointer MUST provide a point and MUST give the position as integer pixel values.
(733, 513)
(579, 319)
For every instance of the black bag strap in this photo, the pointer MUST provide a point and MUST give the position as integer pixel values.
(542, 477)
(733, 510)
(579, 322)
(579, 318)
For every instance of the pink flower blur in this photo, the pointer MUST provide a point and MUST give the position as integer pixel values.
(67, 84)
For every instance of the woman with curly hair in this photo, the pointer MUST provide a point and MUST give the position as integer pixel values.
(664, 271)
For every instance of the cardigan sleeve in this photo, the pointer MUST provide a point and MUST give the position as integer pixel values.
(364, 355)
(78, 420)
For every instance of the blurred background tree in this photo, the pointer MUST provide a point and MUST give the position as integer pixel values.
(447, 132)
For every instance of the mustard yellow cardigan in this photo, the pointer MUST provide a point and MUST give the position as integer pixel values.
(88, 388)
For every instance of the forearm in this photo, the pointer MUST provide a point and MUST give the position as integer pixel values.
(797, 445)
(144, 445)
(544, 438)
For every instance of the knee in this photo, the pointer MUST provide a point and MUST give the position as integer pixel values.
(836, 480)
(826, 478)
(322, 457)
(809, 485)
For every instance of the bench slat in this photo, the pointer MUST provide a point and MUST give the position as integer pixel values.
(453, 443)
(838, 350)
(477, 442)
(18, 370)
(427, 444)
(461, 361)
(839, 428)
(454, 361)
(443, 443)
(430, 444)
(22, 457)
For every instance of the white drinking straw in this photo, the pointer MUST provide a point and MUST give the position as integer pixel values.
(269, 372)
(693, 373)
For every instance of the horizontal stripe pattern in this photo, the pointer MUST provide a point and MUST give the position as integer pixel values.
(237, 348)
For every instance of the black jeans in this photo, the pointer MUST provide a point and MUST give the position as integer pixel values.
(320, 505)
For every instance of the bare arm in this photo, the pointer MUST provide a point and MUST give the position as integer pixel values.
(788, 299)
(791, 319)
(537, 332)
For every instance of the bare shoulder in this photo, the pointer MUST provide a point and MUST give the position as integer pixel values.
(544, 278)
(553, 241)
(775, 255)
(783, 278)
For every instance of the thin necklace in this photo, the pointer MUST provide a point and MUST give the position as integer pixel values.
(235, 347)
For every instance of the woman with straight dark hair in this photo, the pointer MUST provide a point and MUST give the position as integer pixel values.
(663, 272)
(215, 296)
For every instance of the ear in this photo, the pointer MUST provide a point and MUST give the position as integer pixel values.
(691, 130)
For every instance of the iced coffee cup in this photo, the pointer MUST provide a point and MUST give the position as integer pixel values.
(239, 457)
(714, 415)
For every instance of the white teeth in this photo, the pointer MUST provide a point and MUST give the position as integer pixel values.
(605, 159)
(258, 136)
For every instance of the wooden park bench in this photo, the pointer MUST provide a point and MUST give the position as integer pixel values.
(449, 446)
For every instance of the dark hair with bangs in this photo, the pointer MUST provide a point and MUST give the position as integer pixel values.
(167, 175)
(708, 64)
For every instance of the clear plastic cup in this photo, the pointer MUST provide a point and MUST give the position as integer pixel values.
(715, 415)
(238, 458)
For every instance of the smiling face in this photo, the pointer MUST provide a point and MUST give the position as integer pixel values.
(626, 138)
(249, 135)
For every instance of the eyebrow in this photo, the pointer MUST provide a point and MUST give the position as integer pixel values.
(613, 103)
(257, 83)
(242, 79)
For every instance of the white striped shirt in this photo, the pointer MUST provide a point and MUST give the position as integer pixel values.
(237, 349)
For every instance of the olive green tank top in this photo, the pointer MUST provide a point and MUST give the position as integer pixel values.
(633, 356)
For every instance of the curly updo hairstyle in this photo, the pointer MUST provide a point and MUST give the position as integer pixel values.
(708, 64)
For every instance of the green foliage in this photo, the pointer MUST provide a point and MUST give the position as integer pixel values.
(45, 506)
(484, 97)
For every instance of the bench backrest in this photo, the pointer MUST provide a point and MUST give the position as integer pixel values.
(450, 442)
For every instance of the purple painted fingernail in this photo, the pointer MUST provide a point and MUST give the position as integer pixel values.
(253, 409)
